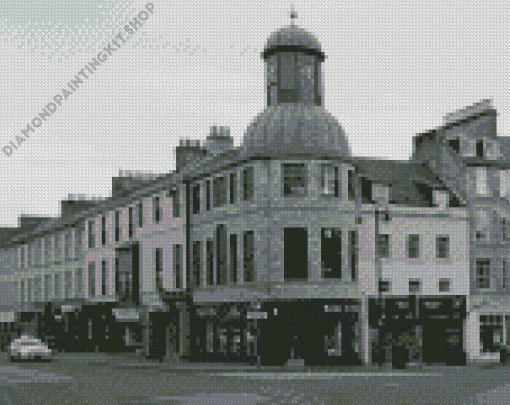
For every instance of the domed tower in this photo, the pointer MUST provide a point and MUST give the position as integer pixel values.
(294, 120)
(293, 60)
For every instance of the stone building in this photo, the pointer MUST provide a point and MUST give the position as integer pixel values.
(285, 248)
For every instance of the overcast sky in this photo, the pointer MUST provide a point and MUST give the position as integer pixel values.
(393, 69)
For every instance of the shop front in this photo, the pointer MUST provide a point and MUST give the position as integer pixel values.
(396, 329)
(310, 332)
(442, 320)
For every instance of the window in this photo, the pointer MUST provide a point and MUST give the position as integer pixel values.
(103, 230)
(295, 180)
(219, 192)
(454, 144)
(47, 288)
(197, 261)
(233, 189)
(413, 246)
(92, 235)
(248, 253)
(221, 255)
(103, 277)
(79, 290)
(140, 215)
(208, 195)
(178, 266)
(366, 191)
(350, 185)
(504, 280)
(196, 198)
(414, 286)
(491, 332)
(482, 225)
(130, 219)
(92, 279)
(233, 259)
(176, 204)
(479, 149)
(504, 186)
(210, 262)
(353, 253)
(157, 209)
(483, 273)
(117, 275)
(295, 253)
(383, 246)
(444, 285)
(159, 269)
(248, 184)
(117, 226)
(68, 285)
(331, 253)
(384, 286)
(329, 180)
(481, 180)
(442, 247)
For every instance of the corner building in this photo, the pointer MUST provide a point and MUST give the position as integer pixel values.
(284, 249)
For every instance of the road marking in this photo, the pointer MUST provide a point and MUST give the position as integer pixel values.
(287, 375)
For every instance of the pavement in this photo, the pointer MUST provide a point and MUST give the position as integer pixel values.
(136, 360)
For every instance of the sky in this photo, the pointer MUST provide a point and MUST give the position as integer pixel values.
(393, 69)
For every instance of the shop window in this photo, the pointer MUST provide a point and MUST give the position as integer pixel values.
(383, 246)
(331, 253)
(442, 247)
(384, 286)
(483, 273)
(413, 246)
(219, 192)
(491, 333)
(329, 180)
(414, 286)
(196, 198)
(444, 285)
(295, 180)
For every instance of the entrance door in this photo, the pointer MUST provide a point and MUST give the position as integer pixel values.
(158, 329)
(434, 341)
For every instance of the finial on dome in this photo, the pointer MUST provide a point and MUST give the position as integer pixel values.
(293, 14)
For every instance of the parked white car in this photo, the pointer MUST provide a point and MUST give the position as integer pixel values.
(28, 348)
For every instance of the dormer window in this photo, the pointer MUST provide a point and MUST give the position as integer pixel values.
(440, 198)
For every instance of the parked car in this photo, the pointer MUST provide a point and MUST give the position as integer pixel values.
(28, 348)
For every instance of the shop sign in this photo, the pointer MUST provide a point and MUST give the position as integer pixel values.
(256, 315)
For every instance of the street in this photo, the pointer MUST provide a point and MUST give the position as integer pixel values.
(96, 378)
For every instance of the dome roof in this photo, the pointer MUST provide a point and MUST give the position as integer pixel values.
(292, 36)
(296, 128)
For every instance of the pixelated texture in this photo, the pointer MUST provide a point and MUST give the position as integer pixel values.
(283, 270)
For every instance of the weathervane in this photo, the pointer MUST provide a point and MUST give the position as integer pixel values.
(293, 14)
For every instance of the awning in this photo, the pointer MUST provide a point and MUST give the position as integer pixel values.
(7, 317)
(126, 314)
